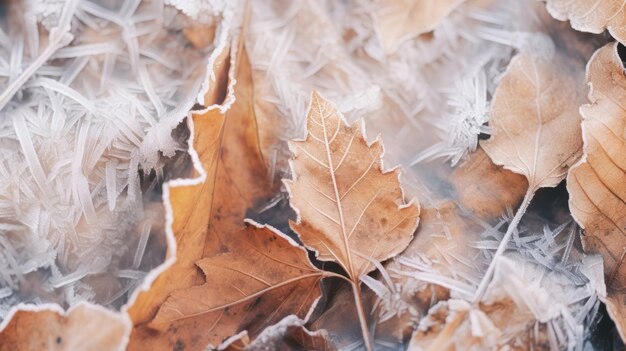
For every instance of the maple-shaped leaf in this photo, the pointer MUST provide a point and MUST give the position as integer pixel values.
(47, 327)
(207, 224)
(399, 20)
(592, 16)
(263, 277)
(350, 210)
(597, 184)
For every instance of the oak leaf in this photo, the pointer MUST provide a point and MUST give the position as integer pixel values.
(350, 211)
(47, 327)
(596, 184)
(399, 20)
(190, 203)
(592, 16)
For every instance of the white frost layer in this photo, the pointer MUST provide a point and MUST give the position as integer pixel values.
(433, 92)
(81, 125)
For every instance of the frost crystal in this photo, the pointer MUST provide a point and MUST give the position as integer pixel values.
(82, 128)
(415, 89)
(544, 275)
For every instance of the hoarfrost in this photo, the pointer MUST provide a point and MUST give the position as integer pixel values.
(88, 104)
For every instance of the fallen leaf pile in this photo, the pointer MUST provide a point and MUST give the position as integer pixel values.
(485, 209)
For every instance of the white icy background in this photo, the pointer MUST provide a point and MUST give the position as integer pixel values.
(85, 132)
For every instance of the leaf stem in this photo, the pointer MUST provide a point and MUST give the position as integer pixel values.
(356, 289)
(505, 240)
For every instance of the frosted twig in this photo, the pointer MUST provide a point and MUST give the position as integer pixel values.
(482, 288)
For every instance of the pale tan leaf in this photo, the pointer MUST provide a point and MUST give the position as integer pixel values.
(535, 120)
(597, 184)
(592, 16)
(398, 20)
(264, 277)
(47, 327)
(349, 210)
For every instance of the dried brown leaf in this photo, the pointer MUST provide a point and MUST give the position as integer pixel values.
(349, 210)
(47, 327)
(398, 20)
(535, 126)
(596, 184)
(264, 277)
(189, 224)
(300, 338)
(208, 215)
(592, 16)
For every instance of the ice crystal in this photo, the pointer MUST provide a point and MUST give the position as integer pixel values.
(413, 89)
(89, 101)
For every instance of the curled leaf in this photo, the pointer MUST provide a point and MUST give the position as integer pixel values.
(518, 312)
(596, 184)
(291, 334)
